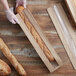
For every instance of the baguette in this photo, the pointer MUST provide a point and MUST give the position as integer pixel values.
(4, 68)
(5, 50)
(35, 34)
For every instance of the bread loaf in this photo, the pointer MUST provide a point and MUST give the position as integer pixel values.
(5, 50)
(19, 9)
(35, 34)
(4, 68)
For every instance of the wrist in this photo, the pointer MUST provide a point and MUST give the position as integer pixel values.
(7, 10)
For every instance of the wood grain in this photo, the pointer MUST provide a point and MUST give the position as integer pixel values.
(22, 48)
(64, 30)
(72, 7)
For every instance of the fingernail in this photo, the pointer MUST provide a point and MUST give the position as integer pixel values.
(18, 22)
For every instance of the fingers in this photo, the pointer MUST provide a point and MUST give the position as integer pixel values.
(21, 2)
(16, 20)
(11, 16)
(24, 5)
(17, 5)
(12, 21)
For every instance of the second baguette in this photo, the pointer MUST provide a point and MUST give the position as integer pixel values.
(4, 68)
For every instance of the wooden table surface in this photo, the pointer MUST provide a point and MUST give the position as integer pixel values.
(22, 48)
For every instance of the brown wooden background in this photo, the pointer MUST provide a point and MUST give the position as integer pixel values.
(22, 48)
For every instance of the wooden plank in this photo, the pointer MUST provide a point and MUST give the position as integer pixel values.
(12, 40)
(30, 65)
(72, 7)
(64, 30)
(35, 45)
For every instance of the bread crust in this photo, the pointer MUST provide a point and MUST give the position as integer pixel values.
(4, 68)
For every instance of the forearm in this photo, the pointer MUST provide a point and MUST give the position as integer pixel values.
(5, 4)
(9, 13)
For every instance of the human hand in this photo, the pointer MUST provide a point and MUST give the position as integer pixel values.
(21, 2)
(11, 16)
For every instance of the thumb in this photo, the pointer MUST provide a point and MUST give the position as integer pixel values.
(12, 21)
(24, 5)
(16, 5)
(16, 20)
